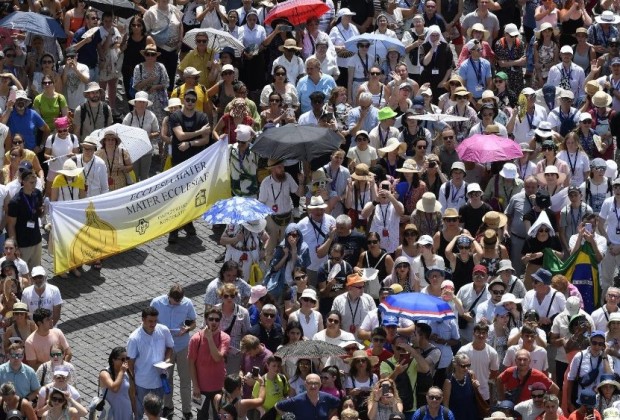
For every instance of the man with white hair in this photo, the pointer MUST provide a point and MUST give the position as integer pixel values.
(364, 116)
(564, 117)
(601, 316)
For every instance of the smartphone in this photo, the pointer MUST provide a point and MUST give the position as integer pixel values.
(588, 227)
(188, 322)
(255, 371)
(11, 97)
(385, 388)
(385, 187)
(286, 28)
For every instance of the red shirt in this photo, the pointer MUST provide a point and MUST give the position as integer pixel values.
(576, 415)
(511, 382)
(210, 373)
(385, 354)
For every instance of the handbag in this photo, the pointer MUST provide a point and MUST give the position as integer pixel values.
(130, 177)
(256, 274)
(97, 409)
(462, 321)
(484, 409)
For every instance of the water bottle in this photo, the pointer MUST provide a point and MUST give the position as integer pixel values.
(164, 383)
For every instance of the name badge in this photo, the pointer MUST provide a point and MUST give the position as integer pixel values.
(30, 225)
(435, 71)
(479, 88)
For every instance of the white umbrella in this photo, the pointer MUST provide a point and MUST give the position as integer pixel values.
(134, 139)
(217, 40)
(439, 117)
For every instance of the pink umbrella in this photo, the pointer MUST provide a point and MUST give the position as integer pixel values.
(487, 148)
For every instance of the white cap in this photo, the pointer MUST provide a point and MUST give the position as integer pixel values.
(38, 271)
(345, 12)
(566, 49)
(425, 240)
(511, 29)
(244, 132)
(585, 116)
(474, 186)
(573, 304)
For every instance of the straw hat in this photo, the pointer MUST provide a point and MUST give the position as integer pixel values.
(316, 202)
(110, 133)
(289, 44)
(141, 97)
(608, 17)
(592, 87)
(495, 220)
(409, 167)
(255, 226)
(150, 48)
(551, 169)
(391, 145)
(601, 99)
(460, 91)
(480, 28)
(69, 168)
(361, 354)
(272, 163)
(173, 102)
(428, 203)
(90, 87)
(362, 173)
(319, 176)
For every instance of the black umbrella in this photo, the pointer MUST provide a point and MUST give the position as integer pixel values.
(310, 349)
(121, 8)
(298, 142)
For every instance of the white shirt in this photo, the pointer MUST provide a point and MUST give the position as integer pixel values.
(583, 363)
(74, 87)
(601, 318)
(547, 308)
(50, 298)
(610, 213)
(343, 337)
(339, 35)
(538, 357)
(96, 175)
(314, 239)
(353, 312)
(277, 194)
(22, 267)
(467, 294)
(456, 196)
(60, 147)
(574, 73)
(252, 37)
(578, 163)
(294, 68)
(418, 268)
(371, 321)
(308, 118)
(212, 19)
(560, 327)
(483, 362)
(522, 129)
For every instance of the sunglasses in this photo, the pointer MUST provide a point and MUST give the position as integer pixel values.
(410, 234)
(150, 54)
(363, 45)
(57, 400)
(448, 137)
(229, 296)
(374, 242)
(275, 101)
(375, 73)
(333, 321)
(18, 142)
(420, 147)
(466, 366)
(201, 41)
(537, 395)
(597, 343)
(17, 355)
(497, 292)
(228, 73)
(213, 319)
(269, 315)
(587, 121)
(358, 139)
(300, 277)
(402, 266)
(56, 354)
(190, 100)
(294, 235)
(47, 83)
(451, 219)
(434, 397)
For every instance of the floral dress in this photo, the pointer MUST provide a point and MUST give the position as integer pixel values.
(160, 97)
(546, 53)
(244, 252)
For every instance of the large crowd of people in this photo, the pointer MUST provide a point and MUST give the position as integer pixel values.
(394, 209)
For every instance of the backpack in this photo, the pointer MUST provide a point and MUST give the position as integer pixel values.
(445, 412)
(589, 194)
(405, 388)
(177, 90)
(72, 137)
(425, 380)
(567, 124)
(106, 114)
(447, 190)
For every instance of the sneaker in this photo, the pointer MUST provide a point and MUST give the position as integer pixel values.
(220, 258)
(173, 238)
(167, 412)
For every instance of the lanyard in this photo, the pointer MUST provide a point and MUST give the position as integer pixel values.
(334, 178)
(391, 169)
(384, 214)
(69, 188)
(454, 193)
(90, 168)
(573, 219)
(312, 42)
(568, 76)
(617, 215)
(506, 193)
(241, 158)
(365, 65)
(530, 120)
(523, 169)
(351, 309)
(570, 163)
(110, 164)
(275, 197)
(90, 114)
(318, 230)
(382, 141)
(138, 118)
(359, 198)
(31, 203)
(478, 72)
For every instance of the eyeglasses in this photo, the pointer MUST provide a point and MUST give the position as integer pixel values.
(613, 296)
(227, 296)
(190, 100)
(62, 130)
(497, 292)
(306, 299)
(300, 277)
(228, 73)
(451, 219)
(17, 355)
(57, 400)
(202, 41)
(587, 121)
(434, 397)
(150, 54)
(269, 315)
(373, 242)
(333, 321)
(537, 395)
(56, 354)
(375, 73)
(597, 343)
(213, 319)
(466, 365)
(18, 142)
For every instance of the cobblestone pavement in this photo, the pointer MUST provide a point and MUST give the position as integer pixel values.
(101, 309)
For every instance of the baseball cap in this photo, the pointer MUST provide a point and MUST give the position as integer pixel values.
(390, 321)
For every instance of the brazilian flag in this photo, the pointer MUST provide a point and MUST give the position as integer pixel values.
(581, 269)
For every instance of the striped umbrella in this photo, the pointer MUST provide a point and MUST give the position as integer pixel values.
(417, 307)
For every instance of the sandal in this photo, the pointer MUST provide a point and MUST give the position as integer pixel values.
(96, 266)
(76, 273)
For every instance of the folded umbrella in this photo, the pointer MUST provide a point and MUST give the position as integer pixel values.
(417, 307)
(236, 210)
(121, 8)
(439, 117)
(487, 148)
(298, 142)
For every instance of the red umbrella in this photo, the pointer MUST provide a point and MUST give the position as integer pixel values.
(297, 11)
(484, 148)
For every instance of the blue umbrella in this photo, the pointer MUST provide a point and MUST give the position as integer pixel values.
(379, 45)
(34, 23)
(236, 210)
(417, 307)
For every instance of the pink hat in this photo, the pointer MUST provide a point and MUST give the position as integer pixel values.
(256, 293)
(61, 122)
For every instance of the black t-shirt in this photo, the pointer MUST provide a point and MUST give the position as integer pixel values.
(533, 245)
(363, 9)
(353, 245)
(27, 209)
(472, 218)
(188, 124)
(531, 217)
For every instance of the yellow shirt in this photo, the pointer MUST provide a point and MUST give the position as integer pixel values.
(69, 190)
(275, 391)
(201, 91)
(192, 59)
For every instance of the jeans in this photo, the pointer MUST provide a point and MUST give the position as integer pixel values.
(140, 394)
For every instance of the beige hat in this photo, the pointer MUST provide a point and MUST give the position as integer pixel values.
(319, 176)
(69, 168)
(494, 220)
(460, 91)
(90, 141)
(92, 87)
(141, 96)
(428, 203)
(150, 48)
(289, 44)
(391, 145)
(480, 28)
(409, 167)
(191, 72)
(362, 173)
(601, 99)
(316, 202)
(488, 94)
(592, 87)
(173, 102)
(361, 354)
(491, 129)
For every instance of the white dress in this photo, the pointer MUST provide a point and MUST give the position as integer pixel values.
(244, 252)
(309, 326)
(386, 222)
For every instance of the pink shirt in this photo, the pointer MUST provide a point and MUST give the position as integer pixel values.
(210, 373)
(37, 347)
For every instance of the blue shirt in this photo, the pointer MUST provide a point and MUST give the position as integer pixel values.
(370, 122)
(88, 53)
(475, 74)
(427, 416)
(26, 125)
(173, 317)
(25, 378)
(303, 409)
(146, 350)
(254, 313)
(305, 87)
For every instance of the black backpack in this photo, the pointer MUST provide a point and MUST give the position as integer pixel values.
(106, 114)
